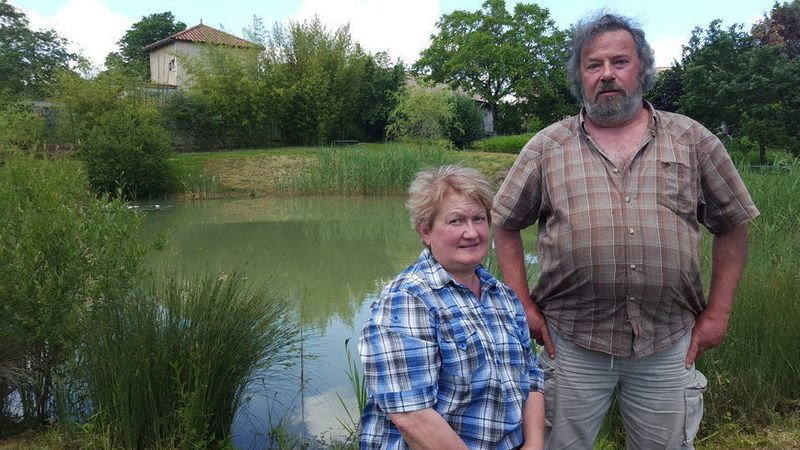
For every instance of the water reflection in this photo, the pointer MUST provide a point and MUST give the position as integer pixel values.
(328, 255)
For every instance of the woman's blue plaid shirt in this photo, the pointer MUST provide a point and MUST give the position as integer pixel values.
(430, 343)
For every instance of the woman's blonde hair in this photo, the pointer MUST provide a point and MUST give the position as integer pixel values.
(432, 184)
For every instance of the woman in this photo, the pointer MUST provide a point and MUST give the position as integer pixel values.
(446, 350)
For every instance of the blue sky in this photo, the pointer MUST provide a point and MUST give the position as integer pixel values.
(401, 27)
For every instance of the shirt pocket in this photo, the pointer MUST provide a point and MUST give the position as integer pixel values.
(462, 352)
(675, 186)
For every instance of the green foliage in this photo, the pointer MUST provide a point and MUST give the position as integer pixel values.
(62, 252)
(20, 127)
(753, 375)
(309, 86)
(230, 104)
(132, 60)
(29, 60)
(667, 92)
(169, 366)
(466, 123)
(366, 170)
(503, 144)
(419, 116)
(327, 87)
(734, 86)
(126, 154)
(495, 54)
(81, 104)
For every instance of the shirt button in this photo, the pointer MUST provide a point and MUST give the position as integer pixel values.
(633, 266)
(630, 230)
(627, 199)
(615, 170)
(631, 298)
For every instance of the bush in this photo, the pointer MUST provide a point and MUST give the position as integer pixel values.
(126, 154)
(466, 123)
(168, 367)
(503, 144)
(62, 251)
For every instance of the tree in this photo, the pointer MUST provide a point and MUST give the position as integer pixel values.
(734, 86)
(710, 61)
(131, 57)
(494, 54)
(29, 60)
(667, 92)
(781, 28)
(327, 87)
(419, 115)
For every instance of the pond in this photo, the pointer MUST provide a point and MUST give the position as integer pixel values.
(330, 256)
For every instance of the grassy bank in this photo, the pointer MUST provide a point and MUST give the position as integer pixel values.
(371, 169)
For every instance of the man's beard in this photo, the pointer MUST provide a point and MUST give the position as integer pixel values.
(615, 110)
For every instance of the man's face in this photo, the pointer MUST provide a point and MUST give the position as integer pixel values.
(612, 88)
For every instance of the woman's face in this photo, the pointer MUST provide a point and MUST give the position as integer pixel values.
(459, 234)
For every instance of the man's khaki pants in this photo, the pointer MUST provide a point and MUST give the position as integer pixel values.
(661, 402)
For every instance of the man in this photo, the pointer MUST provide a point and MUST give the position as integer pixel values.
(619, 192)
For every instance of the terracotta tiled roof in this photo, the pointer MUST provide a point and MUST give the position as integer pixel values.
(203, 34)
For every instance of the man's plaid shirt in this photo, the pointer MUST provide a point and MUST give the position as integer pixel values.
(429, 343)
(619, 247)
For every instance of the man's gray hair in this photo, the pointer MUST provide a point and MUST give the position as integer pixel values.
(585, 31)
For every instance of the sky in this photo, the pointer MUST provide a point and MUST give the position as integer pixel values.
(400, 27)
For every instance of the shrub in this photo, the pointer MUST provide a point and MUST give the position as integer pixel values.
(62, 250)
(168, 367)
(126, 154)
(466, 122)
(503, 144)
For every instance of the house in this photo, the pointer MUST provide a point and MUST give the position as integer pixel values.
(167, 55)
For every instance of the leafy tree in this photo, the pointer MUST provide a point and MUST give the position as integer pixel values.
(781, 28)
(131, 58)
(466, 124)
(230, 104)
(494, 54)
(742, 89)
(667, 92)
(419, 115)
(29, 60)
(327, 87)
(710, 61)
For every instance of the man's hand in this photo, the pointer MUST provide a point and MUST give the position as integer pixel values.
(538, 325)
(709, 331)
(728, 256)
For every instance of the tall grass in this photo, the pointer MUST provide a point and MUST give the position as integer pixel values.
(755, 374)
(503, 144)
(169, 366)
(366, 170)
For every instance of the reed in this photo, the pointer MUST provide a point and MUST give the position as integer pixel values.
(169, 366)
(366, 169)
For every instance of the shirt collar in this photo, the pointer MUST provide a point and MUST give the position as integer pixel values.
(438, 277)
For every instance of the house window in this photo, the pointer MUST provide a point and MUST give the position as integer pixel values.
(171, 65)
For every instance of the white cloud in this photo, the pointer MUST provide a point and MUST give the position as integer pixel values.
(401, 27)
(91, 27)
